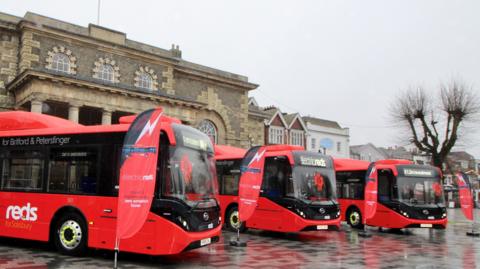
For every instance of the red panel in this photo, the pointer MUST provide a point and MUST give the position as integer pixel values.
(225, 201)
(101, 226)
(345, 204)
(273, 217)
(386, 217)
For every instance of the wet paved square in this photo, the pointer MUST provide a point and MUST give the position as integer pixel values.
(421, 248)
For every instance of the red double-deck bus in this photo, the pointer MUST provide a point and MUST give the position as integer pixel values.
(408, 195)
(59, 181)
(297, 193)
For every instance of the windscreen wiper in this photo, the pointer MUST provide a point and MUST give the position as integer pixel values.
(195, 206)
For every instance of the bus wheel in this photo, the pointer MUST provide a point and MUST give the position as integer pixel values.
(233, 222)
(354, 218)
(71, 234)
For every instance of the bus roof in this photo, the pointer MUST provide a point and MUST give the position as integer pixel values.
(273, 148)
(21, 123)
(22, 120)
(350, 165)
(224, 152)
(393, 161)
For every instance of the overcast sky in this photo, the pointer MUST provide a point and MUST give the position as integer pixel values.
(337, 60)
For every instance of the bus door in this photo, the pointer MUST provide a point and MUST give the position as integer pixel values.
(23, 215)
(385, 197)
(268, 214)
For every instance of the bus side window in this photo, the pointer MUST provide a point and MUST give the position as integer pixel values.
(22, 170)
(228, 172)
(350, 184)
(164, 181)
(277, 171)
(109, 169)
(384, 185)
(73, 170)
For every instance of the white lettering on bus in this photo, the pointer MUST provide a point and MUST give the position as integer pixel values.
(412, 172)
(147, 177)
(312, 161)
(27, 213)
(31, 141)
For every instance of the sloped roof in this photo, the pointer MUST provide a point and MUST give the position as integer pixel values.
(273, 112)
(291, 118)
(252, 102)
(322, 122)
(460, 155)
(357, 148)
(397, 153)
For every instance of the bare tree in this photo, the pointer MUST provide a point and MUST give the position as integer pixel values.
(434, 121)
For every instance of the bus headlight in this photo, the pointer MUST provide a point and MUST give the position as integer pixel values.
(184, 223)
(405, 214)
(300, 212)
(338, 214)
(444, 215)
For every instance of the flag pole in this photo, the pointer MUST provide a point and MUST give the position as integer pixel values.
(473, 233)
(98, 13)
(238, 243)
(117, 245)
(364, 232)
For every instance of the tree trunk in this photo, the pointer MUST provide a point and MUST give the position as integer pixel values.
(437, 161)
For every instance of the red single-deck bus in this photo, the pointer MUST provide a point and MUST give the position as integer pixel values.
(409, 195)
(297, 193)
(59, 183)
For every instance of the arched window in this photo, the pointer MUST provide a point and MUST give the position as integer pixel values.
(145, 78)
(209, 129)
(145, 81)
(61, 59)
(61, 62)
(106, 69)
(105, 72)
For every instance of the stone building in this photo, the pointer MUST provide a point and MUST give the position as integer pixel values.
(94, 75)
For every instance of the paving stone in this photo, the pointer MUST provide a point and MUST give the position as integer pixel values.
(421, 248)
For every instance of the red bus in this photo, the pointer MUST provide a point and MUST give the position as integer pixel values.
(297, 193)
(409, 195)
(59, 184)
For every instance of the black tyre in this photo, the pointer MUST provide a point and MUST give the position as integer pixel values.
(233, 222)
(70, 234)
(354, 218)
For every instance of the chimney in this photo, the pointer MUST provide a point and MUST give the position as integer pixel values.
(176, 52)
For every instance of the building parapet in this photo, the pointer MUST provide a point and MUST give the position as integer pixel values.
(109, 36)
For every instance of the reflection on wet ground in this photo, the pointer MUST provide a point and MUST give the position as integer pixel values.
(418, 248)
